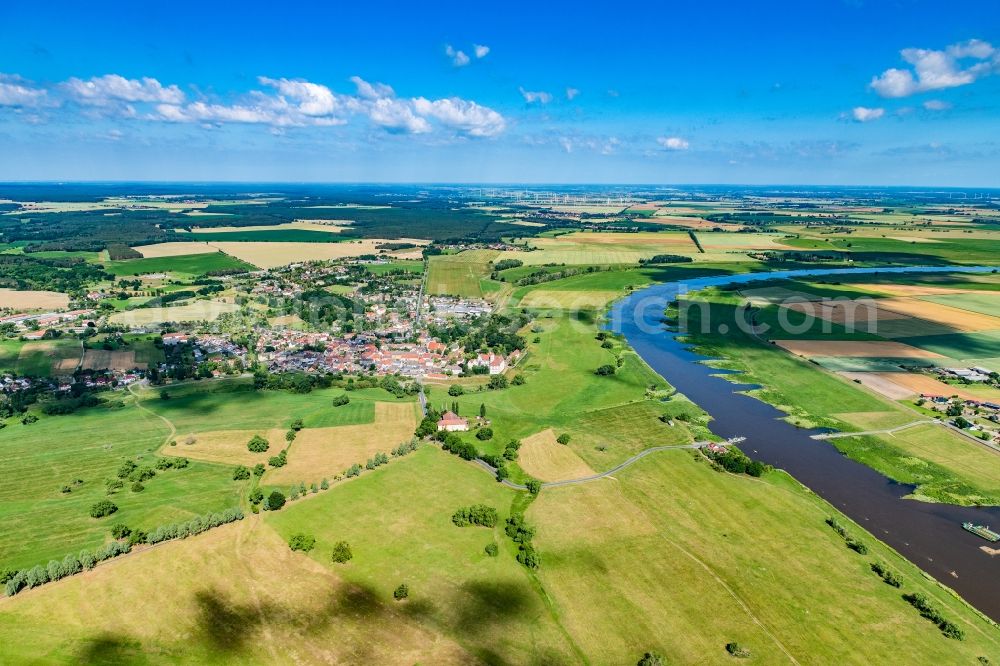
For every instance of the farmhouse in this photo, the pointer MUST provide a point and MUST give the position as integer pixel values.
(496, 363)
(175, 338)
(452, 422)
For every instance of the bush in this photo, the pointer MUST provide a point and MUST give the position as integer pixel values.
(401, 592)
(857, 546)
(275, 501)
(120, 531)
(563, 438)
(341, 400)
(341, 552)
(258, 470)
(297, 425)
(534, 486)
(241, 473)
(737, 651)
(303, 542)
(518, 380)
(477, 514)
(256, 496)
(890, 577)
(279, 460)
(651, 659)
(126, 468)
(492, 549)
(497, 382)
(258, 444)
(455, 390)
(484, 434)
(102, 509)
(605, 370)
(137, 487)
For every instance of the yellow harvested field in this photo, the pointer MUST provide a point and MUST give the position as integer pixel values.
(568, 299)
(226, 446)
(916, 383)
(857, 349)
(881, 383)
(767, 295)
(910, 289)
(525, 223)
(101, 359)
(859, 313)
(195, 311)
(33, 300)
(960, 320)
(544, 458)
(319, 453)
(175, 249)
(272, 255)
(236, 594)
(692, 222)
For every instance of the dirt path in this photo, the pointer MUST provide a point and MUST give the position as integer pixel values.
(141, 407)
(584, 479)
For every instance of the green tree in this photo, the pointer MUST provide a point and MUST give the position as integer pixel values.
(275, 500)
(455, 390)
(102, 509)
(258, 444)
(401, 592)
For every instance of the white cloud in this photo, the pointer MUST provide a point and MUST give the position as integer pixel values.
(397, 115)
(863, 114)
(936, 105)
(673, 143)
(313, 99)
(480, 50)
(464, 116)
(372, 90)
(458, 58)
(937, 70)
(15, 91)
(112, 88)
(539, 96)
(571, 93)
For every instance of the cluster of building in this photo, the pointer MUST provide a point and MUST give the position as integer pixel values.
(35, 324)
(974, 374)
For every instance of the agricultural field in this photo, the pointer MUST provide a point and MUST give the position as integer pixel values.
(603, 248)
(461, 274)
(32, 300)
(180, 265)
(48, 358)
(272, 254)
(196, 310)
(182, 248)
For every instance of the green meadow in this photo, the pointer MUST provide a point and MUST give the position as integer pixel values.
(189, 265)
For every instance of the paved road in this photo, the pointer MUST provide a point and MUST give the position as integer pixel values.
(584, 479)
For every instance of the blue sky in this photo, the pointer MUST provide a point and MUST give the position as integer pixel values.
(826, 92)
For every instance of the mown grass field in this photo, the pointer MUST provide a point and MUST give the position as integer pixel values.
(660, 558)
(459, 274)
(42, 523)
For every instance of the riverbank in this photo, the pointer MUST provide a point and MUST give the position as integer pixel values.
(929, 535)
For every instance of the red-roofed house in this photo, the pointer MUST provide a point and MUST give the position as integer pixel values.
(452, 422)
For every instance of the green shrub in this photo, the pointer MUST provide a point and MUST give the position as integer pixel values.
(484, 434)
(303, 542)
(455, 390)
(563, 438)
(401, 592)
(492, 549)
(341, 400)
(605, 370)
(120, 531)
(102, 509)
(651, 659)
(341, 552)
(241, 473)
(258, 444)
(534, 486)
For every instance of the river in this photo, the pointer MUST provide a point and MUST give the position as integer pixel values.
(929, 535)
